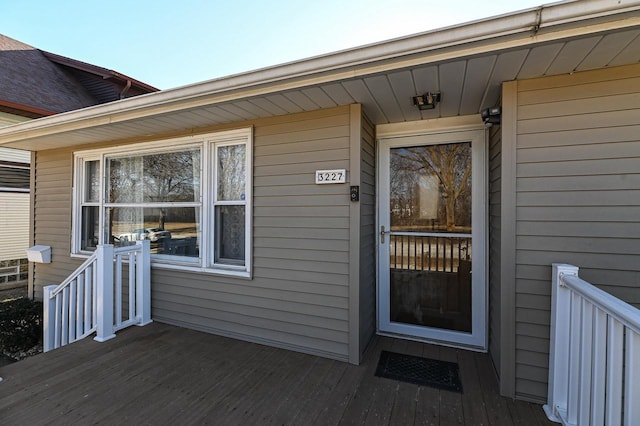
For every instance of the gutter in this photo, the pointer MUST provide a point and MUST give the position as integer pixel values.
(21, 109)
(535, 25)
(124, 91)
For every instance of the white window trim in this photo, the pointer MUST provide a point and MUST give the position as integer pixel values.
(207, 144)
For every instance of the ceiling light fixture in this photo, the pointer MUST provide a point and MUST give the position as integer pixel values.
(427, 101)
(491, 116)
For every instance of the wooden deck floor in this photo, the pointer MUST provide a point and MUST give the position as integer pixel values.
(161, 374)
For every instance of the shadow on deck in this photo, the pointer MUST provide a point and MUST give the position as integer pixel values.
(161, 374)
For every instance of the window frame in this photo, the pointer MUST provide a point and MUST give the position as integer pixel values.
(208, 145)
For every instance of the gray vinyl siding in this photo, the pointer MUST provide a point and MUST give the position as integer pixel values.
(297, 297)
(52, 216)
(577, 199)
(495, 183)
(367, 235)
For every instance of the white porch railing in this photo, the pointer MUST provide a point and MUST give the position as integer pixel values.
(91, 299)
(594, 361)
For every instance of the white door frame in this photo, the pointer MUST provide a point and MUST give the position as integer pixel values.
(477, 339)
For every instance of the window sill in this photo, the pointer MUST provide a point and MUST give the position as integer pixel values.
(227, 272)
(230, 271)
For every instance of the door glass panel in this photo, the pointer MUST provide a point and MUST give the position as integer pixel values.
(430, 242)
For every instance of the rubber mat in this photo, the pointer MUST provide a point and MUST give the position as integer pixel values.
(420, 371)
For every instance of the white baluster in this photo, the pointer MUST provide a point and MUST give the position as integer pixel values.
(58, 321)
(118, 290)
(575, 358)
(80, 306)
(586, 354)
(73, 297)
(599, 367)
(132, 283)
(632, 379)
(88, 298)
(614, 372)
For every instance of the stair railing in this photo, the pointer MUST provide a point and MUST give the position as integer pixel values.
(594, 357)
(92, 298)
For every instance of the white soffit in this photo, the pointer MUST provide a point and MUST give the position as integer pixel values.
(466, 63)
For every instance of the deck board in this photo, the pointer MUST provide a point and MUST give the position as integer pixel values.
(161, 374)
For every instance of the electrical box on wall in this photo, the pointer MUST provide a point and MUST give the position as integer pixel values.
(355, 193)
(39, 254)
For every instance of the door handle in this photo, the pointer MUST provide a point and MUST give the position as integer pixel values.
(382, 234)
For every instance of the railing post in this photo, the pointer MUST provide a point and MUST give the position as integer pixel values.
(104, 293)
(49, 318)
(143, 283)
(559, 350)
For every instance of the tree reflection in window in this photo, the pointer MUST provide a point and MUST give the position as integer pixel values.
(443, 170)
(231, 172)
(146, 191)
(155, 178)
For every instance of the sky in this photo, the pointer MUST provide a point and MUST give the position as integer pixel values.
(171, 43)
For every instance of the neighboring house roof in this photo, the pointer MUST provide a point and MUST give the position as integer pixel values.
(467, 63)
(34, 83)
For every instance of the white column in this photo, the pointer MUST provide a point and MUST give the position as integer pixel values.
(104, 293)
(143, 283)
(559, 350)
(49, 318)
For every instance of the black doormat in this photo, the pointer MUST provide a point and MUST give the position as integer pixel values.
(420, 371)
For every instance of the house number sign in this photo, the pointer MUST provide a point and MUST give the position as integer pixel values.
(331, 176)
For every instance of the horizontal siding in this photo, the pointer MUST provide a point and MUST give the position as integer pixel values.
(14, 225)
(495, 205)
(577, 200)
(52, 216)
(367, 235)
(15, 155)
(7, 119)
(298, 295)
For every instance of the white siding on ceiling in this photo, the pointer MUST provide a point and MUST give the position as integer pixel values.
(468, 85)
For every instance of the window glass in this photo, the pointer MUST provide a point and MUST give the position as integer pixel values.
(230, 234)
(155, 178)
(90, 228)
(171, 230)
(157, 193)
(231, 172)
(92, 181)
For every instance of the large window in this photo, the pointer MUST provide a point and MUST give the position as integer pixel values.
(189, 197)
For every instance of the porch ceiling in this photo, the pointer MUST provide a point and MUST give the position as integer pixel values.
(466, 63)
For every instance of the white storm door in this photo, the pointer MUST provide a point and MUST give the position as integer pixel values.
(432, 238)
